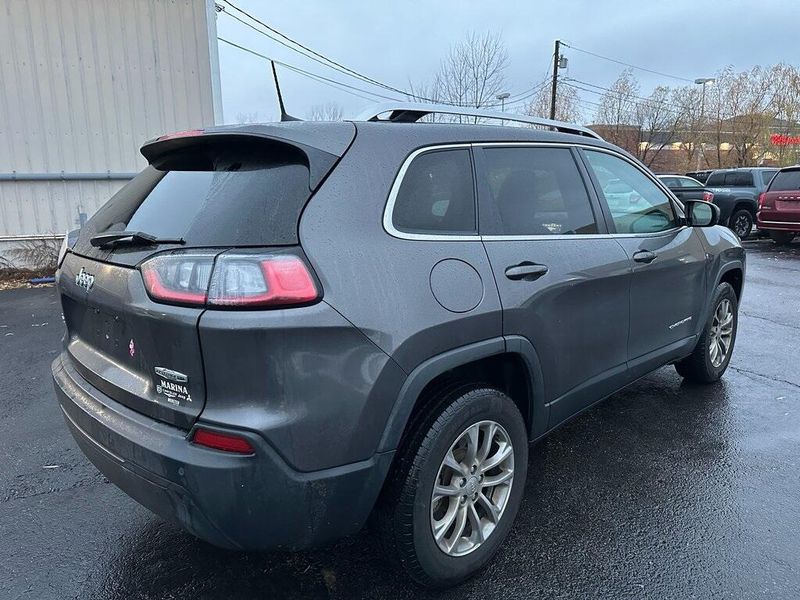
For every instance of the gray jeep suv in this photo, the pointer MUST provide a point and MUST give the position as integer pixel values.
(276, 332)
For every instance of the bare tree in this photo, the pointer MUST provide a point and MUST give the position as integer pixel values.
(617, 112)
(658, 124)
(687, 101)
(787, 107)
(330, 111)
(567, 104)
(472, 74)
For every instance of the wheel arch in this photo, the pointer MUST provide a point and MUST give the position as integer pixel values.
(746, 203)
(733, 273)
(511, 363)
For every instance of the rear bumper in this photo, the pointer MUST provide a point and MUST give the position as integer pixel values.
(767, 224)
(233, 501)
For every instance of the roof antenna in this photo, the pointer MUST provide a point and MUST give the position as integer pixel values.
(284, 115)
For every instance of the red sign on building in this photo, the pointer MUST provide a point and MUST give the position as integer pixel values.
(781, 139)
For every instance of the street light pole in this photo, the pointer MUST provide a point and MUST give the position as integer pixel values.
(502, 97)
(702, 81)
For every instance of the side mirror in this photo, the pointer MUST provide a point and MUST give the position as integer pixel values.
(700, 213)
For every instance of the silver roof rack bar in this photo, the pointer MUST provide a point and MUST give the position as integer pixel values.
(409, 112)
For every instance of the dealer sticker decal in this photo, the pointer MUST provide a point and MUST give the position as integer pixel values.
(173, 386)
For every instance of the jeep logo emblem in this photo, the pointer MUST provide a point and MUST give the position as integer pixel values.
(84, 279)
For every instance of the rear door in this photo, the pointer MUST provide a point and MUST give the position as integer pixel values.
(563, 283)
(668, 260)
(212, 194)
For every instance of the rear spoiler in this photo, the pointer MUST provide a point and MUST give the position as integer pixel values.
(322, 145)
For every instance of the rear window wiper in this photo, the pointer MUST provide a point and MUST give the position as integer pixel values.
(131, 238)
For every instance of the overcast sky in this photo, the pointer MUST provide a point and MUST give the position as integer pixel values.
(398, 42)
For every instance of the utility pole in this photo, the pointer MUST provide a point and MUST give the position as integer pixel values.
(556, 56)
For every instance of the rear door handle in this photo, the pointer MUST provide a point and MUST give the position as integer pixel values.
(644, 256)
(526, 271)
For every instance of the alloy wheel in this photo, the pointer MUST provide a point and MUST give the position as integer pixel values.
(741, 226)
(472, 488)
(721, 333)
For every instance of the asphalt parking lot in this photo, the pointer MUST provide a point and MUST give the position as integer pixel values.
(666, 490)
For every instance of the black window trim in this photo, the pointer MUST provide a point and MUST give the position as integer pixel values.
(586, 173)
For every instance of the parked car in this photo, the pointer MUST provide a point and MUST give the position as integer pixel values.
(275, 331)
(701, 176)
(735, 192)
(685, 188)
(779, 206)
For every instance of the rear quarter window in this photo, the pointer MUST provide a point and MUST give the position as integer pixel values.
(437, 194)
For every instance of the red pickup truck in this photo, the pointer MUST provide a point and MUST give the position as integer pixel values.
(779, 206)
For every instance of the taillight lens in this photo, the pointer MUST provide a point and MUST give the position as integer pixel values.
(762, 199)
(222, 441)
(235, 280)
(255, 281)
(179, 278)
(708, 197)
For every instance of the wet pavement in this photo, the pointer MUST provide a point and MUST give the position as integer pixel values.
(666, 490)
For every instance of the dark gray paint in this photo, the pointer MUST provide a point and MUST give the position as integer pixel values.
(325, 392)
(456, 285)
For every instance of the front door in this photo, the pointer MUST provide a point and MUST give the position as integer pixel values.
(668, 260)
(563, 283)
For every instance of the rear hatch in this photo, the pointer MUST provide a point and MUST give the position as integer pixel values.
(781, 202)
(202, 195)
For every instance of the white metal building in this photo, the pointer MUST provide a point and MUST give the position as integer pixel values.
(83, 83)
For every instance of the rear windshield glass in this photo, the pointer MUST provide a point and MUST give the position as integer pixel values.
(250, 194)
(785, 181)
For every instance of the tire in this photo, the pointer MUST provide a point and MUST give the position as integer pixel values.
(701, 366)
(406, 510)
(741, 223)
(782, 238)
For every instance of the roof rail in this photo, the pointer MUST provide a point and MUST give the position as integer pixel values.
(410, 112)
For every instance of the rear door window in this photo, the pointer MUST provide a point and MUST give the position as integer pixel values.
(437, 195)
(740, 179)
(537, 191)
(786, 181)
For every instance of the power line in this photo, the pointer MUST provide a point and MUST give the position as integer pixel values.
(321, 58)
(673, 109)
(328, 62)
(620, 62)
(325, 80)
(307, 53)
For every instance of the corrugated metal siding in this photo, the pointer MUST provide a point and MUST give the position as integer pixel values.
(82, 84)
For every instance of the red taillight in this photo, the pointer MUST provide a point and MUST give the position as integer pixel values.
(708, 197)
(761, 199)
(248, 280)
(178, 278)
(236, 280)
(222, 441)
